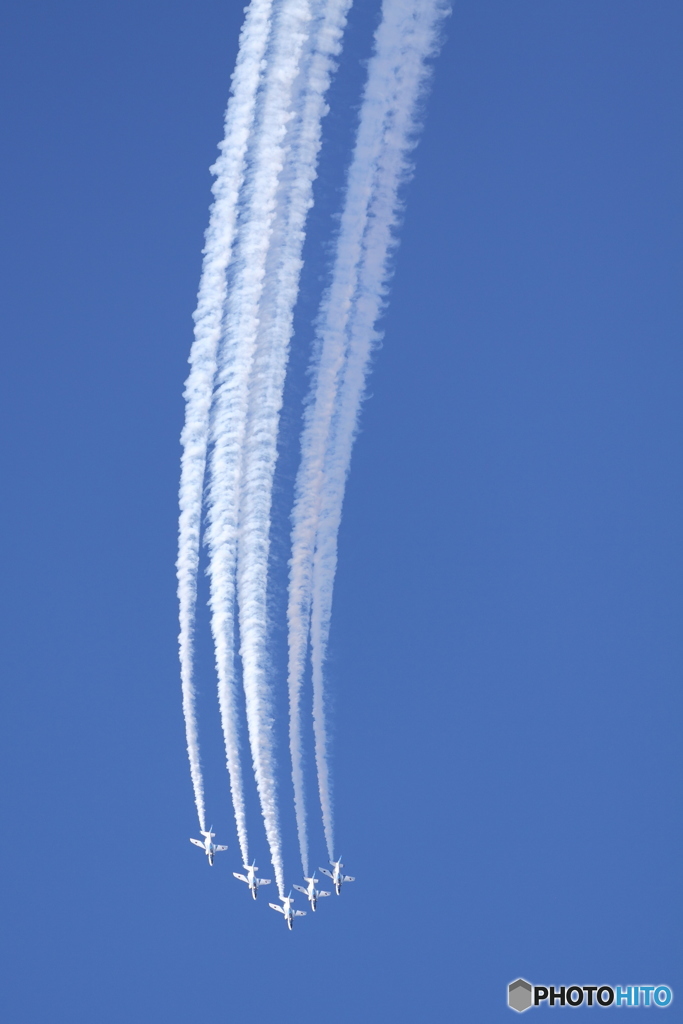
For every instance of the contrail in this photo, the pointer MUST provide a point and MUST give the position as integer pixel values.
(229, 170)
(251, 372)
(397, 75)
(277, 305)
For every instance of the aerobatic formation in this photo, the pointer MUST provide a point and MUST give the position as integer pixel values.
(263, 191)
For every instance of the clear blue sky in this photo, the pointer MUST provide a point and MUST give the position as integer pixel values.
(506, 649)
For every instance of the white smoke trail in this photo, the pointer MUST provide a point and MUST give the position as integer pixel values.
(251, 375)
(229, 169)
(397, 74)
(275, 330)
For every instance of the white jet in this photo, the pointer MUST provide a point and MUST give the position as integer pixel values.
(336, 875)
(207, 846)
(250, 878)
(288, 910)
(310, 892)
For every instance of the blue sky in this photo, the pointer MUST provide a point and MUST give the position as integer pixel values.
(505, 656)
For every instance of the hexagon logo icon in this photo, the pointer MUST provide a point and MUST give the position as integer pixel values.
(519, 995)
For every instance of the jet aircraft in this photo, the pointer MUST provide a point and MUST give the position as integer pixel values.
(310, 892)
(207, 846)
(288, 910)
(336, 875)
(250, 878)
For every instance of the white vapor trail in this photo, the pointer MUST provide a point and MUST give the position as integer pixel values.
(397, 74)
(229, 170)
(250, 381)
(283, 272)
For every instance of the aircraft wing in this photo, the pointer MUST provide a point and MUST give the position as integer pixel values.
(219, 848)
(323, 893)
(347, 878)
(197, 843)
(275, 907)
(300, 888)
(241, 877)
(263, 881)
(326, 872)
(299, 913)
